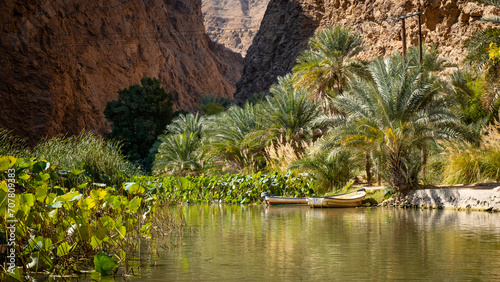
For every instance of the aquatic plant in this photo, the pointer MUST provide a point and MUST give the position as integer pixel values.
(60, 230)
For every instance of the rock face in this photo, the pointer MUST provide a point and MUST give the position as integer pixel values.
(233, 23)
(288, 25)
(62, 61)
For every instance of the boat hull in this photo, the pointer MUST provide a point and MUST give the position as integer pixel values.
(274, 201)
(349, 200)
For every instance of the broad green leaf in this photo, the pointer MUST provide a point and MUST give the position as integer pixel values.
(87, 203)
(98, 194)
(40, 166)
(68, 197)
(95, 242)
(76, 171)
(41, 193)
(7, 162)
(16, 274)
(83, 185)
(63, 249)
(95, 276)
(25, 177)
(122, 231)
(105, 264)
(135, 204)
(27, 199)
(133, 188)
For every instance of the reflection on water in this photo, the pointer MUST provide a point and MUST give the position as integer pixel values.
(299, 243)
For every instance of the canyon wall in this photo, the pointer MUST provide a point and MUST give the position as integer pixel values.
(288, 25)
(233, 23)
(62, 61)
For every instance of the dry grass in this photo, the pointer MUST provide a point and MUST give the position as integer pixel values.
(471, 164)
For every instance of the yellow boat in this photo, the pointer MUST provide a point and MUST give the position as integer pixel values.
(276, 200)
(348, 200)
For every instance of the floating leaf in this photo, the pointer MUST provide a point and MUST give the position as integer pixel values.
(105, 264)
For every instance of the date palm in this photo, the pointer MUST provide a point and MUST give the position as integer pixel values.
(287, 113)
(395, 115)
(330, 63)
(228, 132)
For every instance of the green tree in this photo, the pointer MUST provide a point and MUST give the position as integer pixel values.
(397, 114)
(228, 137)
(180, 149)
(288, 114)
(330, 63)
(138, 117)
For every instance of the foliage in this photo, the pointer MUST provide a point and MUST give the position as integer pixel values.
(139, 116)
(227, 134)
(468, 92)
(211, 104)
(330, 63)
(332, 170)
(98, 160)
(12, 145)
(180, 149)
(469, 163)
(60, 229)
(179, 154)
(394, 115)
(482, 55)
(228, 188)
(288, 114)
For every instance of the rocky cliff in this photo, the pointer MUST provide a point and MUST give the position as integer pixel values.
(233, 23)
(62, 61)
(288, 25)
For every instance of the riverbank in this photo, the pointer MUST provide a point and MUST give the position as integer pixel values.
(479, 197)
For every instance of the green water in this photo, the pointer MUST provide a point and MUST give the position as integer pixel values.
(254, 243)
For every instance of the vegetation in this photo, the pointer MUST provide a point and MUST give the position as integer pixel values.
(330, 63)
(138, 117)
(64, 230)
(83, 205)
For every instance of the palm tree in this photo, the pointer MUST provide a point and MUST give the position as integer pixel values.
(287, 114)
(332, 170)
(179, 154)
(396, 115)
(330, 63)
(188, 124)
(228, 132)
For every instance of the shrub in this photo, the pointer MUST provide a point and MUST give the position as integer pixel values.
(100, 160)
(139, 116)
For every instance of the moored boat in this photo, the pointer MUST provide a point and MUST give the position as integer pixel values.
(276, 200)
(348, 200)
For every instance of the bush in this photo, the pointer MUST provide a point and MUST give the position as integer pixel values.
(100, 160)
(139, 116)
(469, 163)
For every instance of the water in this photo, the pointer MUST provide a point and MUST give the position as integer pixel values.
(255, 243)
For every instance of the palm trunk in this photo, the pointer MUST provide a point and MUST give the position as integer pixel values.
(368, 169)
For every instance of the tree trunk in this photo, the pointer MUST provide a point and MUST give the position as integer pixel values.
(368, 169)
